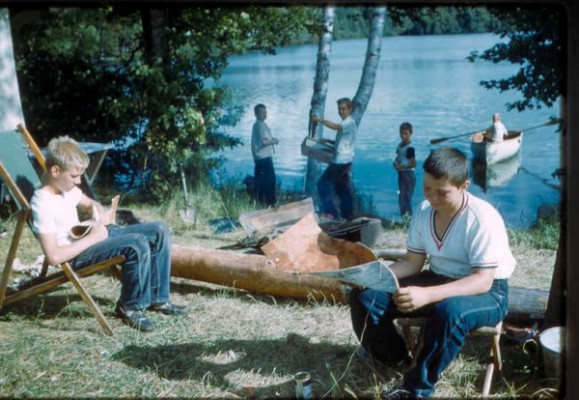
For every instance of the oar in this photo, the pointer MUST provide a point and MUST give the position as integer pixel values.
(552, 121)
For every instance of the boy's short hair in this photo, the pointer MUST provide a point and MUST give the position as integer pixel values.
(66, 153)
(346, 101)
(406, 126)
(257, 107)
(447, 163)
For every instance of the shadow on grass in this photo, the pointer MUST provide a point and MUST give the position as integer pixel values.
(221, 359)
(51, 305)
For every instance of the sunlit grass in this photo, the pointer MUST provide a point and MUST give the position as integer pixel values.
(234, 344)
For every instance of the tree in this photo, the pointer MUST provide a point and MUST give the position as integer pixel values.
(368, 79)
(142, 76)
(536, 43)
(318, 102)
(376, 17)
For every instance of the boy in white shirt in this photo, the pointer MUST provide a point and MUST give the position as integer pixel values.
(464, 288)
(337, 178)
(145, 275)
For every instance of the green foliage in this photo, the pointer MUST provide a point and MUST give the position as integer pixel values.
(107, 74)
(543, 235)
(352, 22)
(536, 43)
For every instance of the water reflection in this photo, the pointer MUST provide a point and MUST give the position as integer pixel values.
(495, 175)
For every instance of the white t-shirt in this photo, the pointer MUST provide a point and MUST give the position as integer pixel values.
(475, 238)
(498, 130)
(345, 141)
(261, 131)
(55, 213)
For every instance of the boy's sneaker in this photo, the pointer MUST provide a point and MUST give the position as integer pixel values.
(135, 319)
(169, 309)
(399, 393)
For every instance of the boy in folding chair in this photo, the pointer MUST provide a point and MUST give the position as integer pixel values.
(465, 287)
(145, 275)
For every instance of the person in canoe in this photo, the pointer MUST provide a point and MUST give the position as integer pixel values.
(497, 131)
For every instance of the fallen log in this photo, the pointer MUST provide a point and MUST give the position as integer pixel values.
(252, 272)
(256, 273)
(393, 254)
(526, 305)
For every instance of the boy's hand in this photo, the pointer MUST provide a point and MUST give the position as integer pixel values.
(411, 298)
(98, 232)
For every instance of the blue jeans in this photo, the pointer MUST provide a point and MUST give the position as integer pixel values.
(447, 324)
(264, 178)
(406, 184)
(336, 179)
(146, 273)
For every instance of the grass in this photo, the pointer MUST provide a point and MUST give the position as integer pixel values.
(234, 344)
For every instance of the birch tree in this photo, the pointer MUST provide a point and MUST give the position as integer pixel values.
(365, 87)
(368, 79)
(318, 102)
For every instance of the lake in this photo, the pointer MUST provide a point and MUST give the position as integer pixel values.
(425, 80)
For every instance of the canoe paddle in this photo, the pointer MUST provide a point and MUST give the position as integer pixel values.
(552, 121)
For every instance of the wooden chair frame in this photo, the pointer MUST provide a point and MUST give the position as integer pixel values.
(495, 362)
(44, 282)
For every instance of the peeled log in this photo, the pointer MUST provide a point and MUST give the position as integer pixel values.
(251, 272)
(254, 273)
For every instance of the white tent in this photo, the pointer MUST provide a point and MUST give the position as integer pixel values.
(10, 105)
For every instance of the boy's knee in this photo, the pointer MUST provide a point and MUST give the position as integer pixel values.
(138, 248)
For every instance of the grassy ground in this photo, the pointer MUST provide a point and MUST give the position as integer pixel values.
(234, 344)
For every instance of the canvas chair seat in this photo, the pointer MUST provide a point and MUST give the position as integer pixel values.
(19, 175)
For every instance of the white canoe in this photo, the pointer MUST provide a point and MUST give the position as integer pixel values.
(493, 152)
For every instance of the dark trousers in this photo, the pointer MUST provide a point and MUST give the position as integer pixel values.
(406, 184)
(336, 180)
(264, 176)
(447, 324)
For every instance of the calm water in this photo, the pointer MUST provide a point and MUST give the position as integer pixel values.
(424, 80)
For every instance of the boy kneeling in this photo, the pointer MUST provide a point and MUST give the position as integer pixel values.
(145, 276)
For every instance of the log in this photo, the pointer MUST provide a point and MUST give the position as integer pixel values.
(393, 254)
(256, 273)
(526, 305)
(252, 272)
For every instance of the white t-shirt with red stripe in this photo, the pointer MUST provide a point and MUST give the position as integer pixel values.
(475, 238)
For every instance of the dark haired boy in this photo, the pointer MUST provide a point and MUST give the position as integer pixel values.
(404, 163)
(262, 150)
(465, 288)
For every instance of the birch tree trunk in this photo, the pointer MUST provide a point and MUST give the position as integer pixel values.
(320, 92)
(366, 86)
